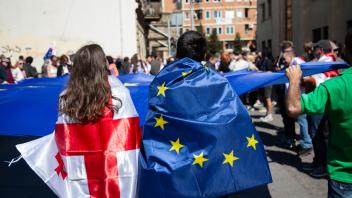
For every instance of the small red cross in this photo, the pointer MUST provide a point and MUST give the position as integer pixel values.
(60, 168)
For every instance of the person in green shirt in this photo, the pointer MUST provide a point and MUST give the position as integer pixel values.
(334, 99)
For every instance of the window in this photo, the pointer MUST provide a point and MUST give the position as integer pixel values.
(208, 30)
(207, 14)
(229, 14)
(316, 35)
(325, 32)
(239, 14)
(269, 8)
(198, 15)
(262, 9)
(219, 30)
(187, 16)
(263, 45)
(246, 11)
(349, 25)
(248, 28)
(269, 44)
(229, 30)
(217, 14)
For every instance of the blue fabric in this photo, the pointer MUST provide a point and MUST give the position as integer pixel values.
(48, 54)
(207, 116)
(244, 82)
(305, 139)
(30, 107)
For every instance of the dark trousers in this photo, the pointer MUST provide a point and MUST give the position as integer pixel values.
(339, 189)
(289, 123)
(318, 130)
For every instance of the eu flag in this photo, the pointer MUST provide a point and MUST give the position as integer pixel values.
(198, 138)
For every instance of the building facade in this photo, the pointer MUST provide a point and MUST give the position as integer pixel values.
(301, 21)
(227, 17)
(29, 28)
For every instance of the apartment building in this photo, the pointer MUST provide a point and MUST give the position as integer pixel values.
(227, 17)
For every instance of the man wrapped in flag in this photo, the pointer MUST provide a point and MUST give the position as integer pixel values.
(198, 139)
(94, 149)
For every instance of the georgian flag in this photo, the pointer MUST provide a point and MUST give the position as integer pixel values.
(90, 160)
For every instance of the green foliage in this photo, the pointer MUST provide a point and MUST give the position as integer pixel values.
(238, 44)
(214, 45)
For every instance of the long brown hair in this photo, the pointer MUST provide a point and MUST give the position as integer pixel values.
(88, 91)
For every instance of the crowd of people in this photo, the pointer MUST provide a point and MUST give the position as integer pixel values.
(314, 130)
(55, 66)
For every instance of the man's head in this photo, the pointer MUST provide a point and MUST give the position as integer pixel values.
(321, 47)
(286, 47)
(287, 51)
(348, 47)
(29, 60)
(191, 44)
(308, 47)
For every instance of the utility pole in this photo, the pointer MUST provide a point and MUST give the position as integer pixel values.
(192, 14)
(169, 36)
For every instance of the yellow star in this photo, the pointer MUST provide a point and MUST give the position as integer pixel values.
(160, 122)
(176, 146)
(185, 74)
(252, 142)
(199, 159)
(162, 89)
(230, 158)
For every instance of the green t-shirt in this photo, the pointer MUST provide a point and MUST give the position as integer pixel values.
(334, 99)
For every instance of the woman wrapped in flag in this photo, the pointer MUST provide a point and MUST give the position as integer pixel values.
(94, 149)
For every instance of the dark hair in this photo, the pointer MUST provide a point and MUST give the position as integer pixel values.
(110, 59)
(286, 44)
(52, 57)
(20, 57)
(63, 59)
(237, 52)
(191, 44)
(29, 60)
(88, 91)
(126, 59)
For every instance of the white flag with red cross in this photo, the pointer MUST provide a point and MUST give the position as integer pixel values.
(90, 160)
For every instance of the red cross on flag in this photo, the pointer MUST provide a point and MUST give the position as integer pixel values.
(90, 160)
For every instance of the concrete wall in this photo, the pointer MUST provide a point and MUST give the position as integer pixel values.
(29, 27)
(331, 13)
(272, 28)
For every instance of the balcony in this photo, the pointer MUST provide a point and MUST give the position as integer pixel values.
(152, 11)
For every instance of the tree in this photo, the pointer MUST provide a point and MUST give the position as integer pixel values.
(200, 29)
(238, 45)
(214, 45)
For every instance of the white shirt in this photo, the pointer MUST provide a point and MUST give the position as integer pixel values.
(65, 70)
(320, 78)
(238, 65)
(17, 74)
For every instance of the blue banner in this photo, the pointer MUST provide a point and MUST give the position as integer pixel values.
(30, 107)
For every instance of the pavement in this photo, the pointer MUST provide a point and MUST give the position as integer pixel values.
(289, 180)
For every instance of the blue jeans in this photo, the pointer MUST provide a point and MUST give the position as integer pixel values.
(339, 189)
(305, 139)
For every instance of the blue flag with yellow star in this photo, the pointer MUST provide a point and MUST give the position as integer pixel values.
(198, 138)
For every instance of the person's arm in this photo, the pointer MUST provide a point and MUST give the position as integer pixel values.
(294, 74)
